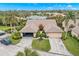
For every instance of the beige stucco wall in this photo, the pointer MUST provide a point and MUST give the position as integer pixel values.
(34, 34)
(55, 35)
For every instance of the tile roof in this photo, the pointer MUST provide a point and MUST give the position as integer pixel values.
(33, 25)
(76, 30)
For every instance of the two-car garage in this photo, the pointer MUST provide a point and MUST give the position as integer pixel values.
(27, 34)
(51, 35)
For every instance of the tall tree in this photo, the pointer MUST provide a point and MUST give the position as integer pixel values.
(59, 20)
(12, 21)
(69, 16)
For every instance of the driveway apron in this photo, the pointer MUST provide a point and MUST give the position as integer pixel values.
(57, 46)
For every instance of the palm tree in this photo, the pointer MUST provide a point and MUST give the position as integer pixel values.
(12, 21)
(69, 16)
(1, 19)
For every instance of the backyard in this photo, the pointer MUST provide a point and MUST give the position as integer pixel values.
(72, 44)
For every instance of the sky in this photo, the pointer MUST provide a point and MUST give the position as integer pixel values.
(39, 6)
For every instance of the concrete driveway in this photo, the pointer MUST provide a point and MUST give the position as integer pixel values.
(26, 42)
(57, 46)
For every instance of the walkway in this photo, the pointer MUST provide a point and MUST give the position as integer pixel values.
(57, 46)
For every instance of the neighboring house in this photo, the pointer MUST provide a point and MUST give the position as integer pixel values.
(36, 17)
(70, 23)
(56, 14)
(49, 13)
(75, 31)
(50, 27)
(20, 18)
(77, 22)
(52, 16)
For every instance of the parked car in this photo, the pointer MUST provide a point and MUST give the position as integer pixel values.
(6, 41)
(2, 33)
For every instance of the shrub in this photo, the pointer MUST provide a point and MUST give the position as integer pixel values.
(41, 33)
(20, 25)
(34, 53)
(66, 35)
(76, 38)
(15, 37)
(27, 52)
(20, 54)
(63, 36)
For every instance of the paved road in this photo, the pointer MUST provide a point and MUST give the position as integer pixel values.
(57, 46)
(11, 50)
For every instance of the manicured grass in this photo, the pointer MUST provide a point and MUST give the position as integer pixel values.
(41, 45)
(72, 45)
(4, 28)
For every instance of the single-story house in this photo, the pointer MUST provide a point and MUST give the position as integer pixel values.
(50, 27)
(56, 14)
(75, 31)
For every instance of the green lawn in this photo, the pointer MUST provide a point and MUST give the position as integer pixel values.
(72, 45)
(4, 28)
(41, 45)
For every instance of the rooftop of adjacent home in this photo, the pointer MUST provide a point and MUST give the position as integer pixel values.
(76, 30)
(36, 17)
